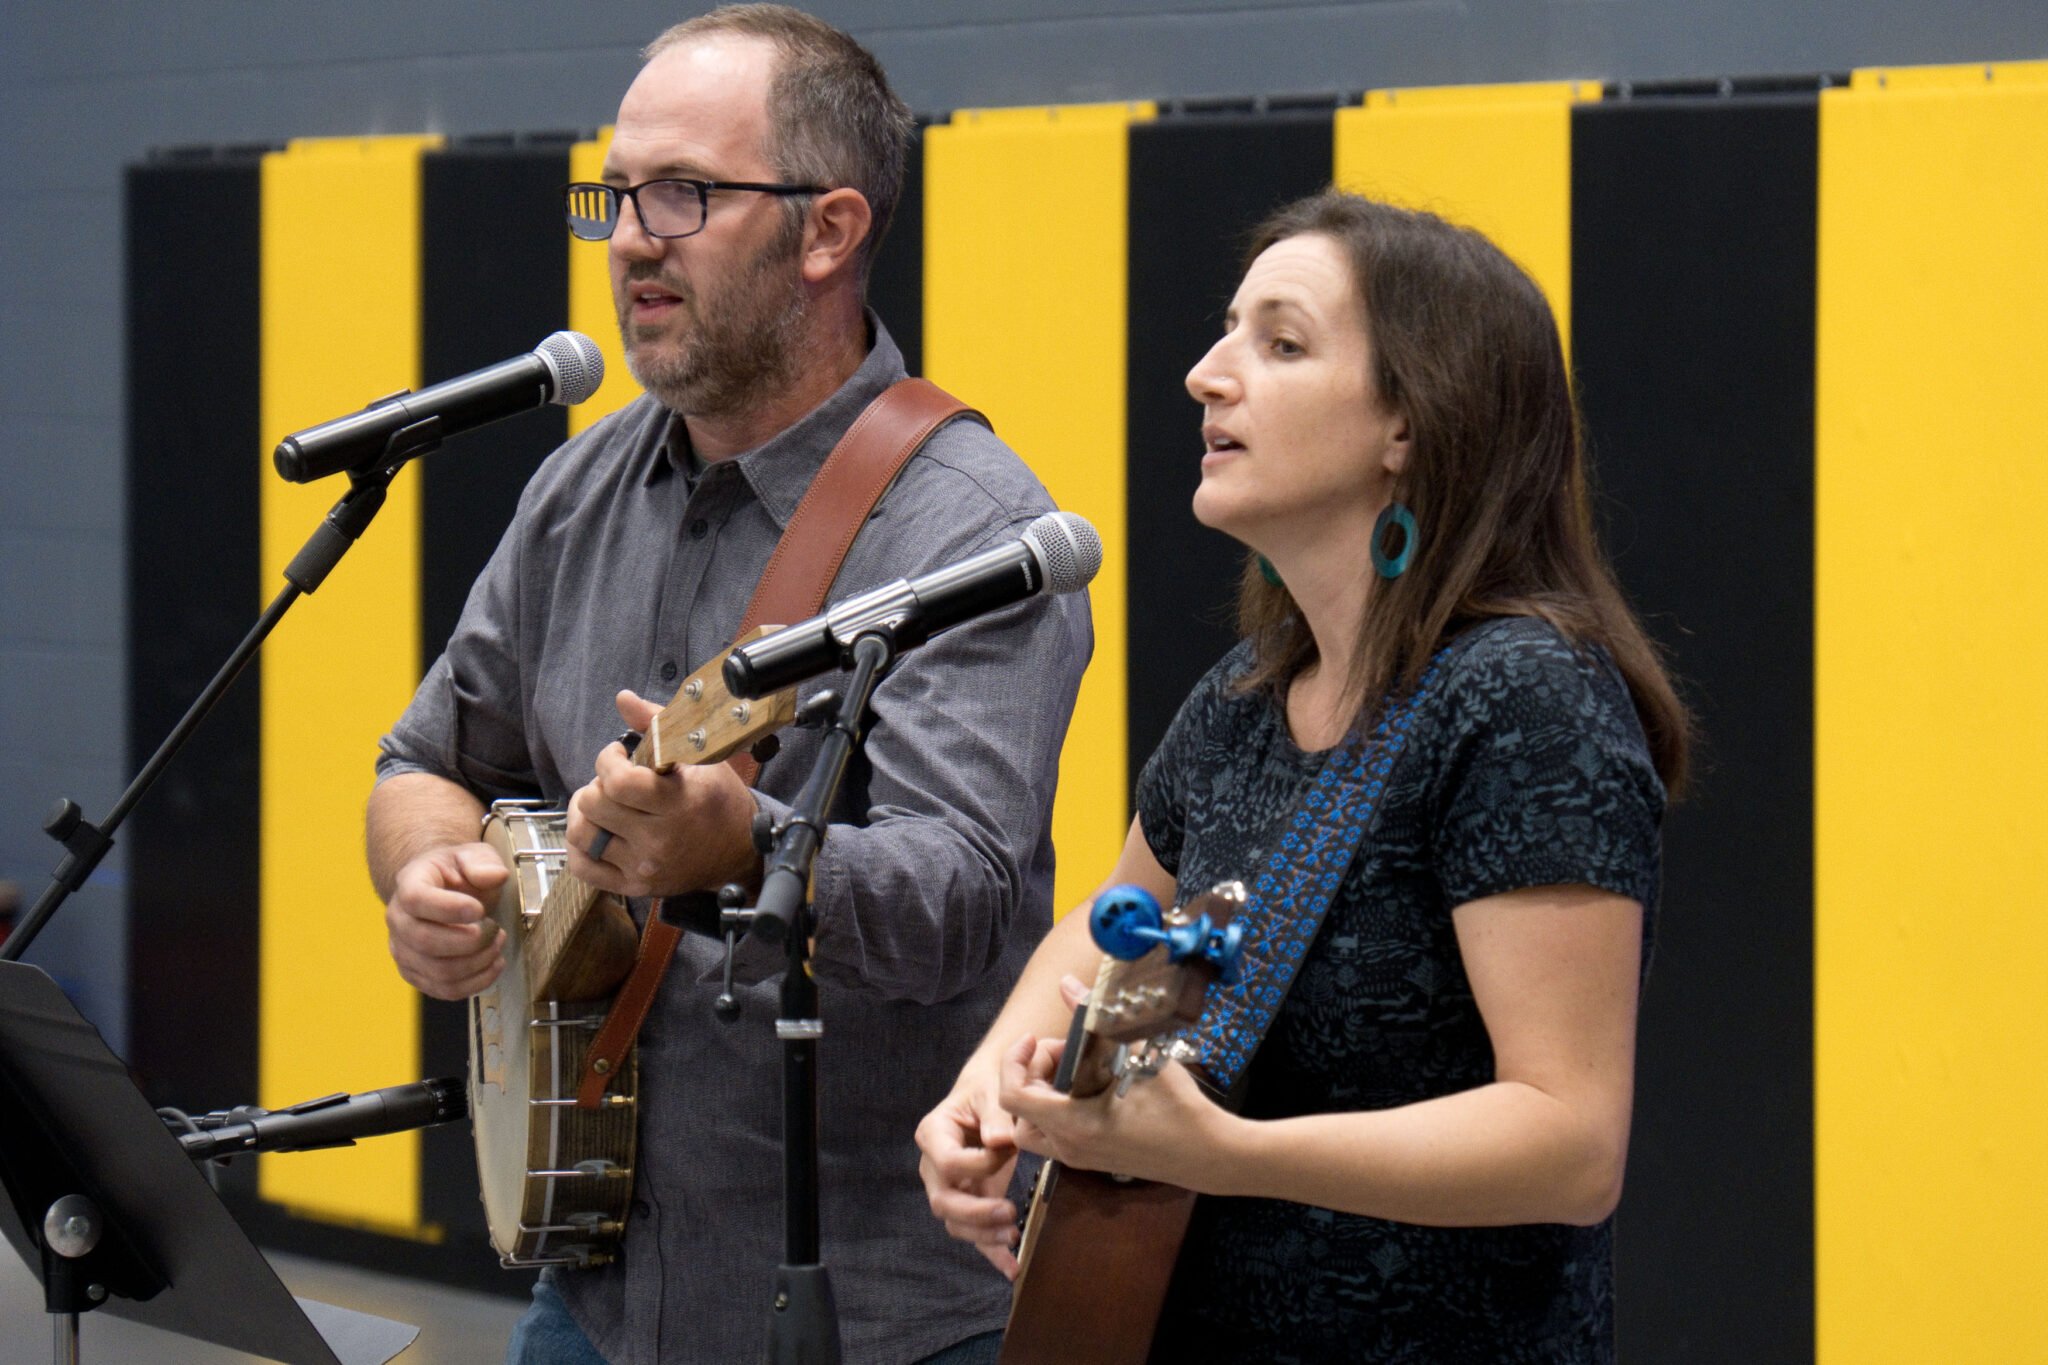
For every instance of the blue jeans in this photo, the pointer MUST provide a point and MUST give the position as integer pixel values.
(547, 1335)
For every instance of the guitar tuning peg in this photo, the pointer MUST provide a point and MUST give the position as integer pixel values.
(1124, 922)
(1223, 948)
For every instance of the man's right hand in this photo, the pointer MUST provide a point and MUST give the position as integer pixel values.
(442, 937)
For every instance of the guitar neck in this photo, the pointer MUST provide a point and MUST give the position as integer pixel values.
(1088, 1066)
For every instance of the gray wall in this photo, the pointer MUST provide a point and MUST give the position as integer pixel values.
(90, 86)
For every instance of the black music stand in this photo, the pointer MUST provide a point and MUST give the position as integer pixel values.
(108, 1210)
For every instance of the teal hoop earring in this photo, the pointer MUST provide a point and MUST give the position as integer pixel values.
(1393, 565)
(1268, 572)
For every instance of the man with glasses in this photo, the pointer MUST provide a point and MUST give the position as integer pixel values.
(754, 165)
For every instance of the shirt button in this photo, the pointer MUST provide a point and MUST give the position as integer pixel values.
(641, 1208)
(668, 670)
(698, 528)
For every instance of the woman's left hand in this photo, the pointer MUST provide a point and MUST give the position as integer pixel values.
(1164, 1127)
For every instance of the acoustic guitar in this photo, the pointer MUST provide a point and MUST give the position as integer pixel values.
(556, 1178)
(1098, 1250)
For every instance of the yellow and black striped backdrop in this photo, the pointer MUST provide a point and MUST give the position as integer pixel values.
(1810, 325)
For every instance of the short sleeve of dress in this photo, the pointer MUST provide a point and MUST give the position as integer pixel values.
(1163, 783)
(1548, 779)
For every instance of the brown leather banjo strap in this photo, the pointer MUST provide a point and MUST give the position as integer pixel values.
(838, 503)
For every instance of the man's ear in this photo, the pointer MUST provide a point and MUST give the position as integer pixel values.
(839, 223)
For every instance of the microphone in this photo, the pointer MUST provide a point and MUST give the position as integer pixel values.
(332, 1121)
(565, 369)
(1059, 552)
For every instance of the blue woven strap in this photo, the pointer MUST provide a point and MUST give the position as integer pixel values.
(1293, 890)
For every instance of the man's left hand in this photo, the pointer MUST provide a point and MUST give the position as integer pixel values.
(688, 829)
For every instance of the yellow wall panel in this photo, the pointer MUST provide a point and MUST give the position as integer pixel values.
(1495, 158)
(591, 311)
(340, 322)
(1025, 220)
(1948, 78)
(1931, 950)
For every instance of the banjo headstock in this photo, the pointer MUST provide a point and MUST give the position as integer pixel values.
(706, 723)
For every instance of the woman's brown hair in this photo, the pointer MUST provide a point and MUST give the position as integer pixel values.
(1465, 348)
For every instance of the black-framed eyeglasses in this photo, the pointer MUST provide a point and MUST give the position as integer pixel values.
(667, 208)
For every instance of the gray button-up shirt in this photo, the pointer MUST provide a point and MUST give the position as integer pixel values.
(932, 888)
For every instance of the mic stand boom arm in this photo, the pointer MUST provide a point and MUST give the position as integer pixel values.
(85, 843)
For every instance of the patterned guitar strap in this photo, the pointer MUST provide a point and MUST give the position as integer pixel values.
(1287, 901)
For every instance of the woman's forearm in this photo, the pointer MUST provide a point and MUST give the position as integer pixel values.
(1499, 1154)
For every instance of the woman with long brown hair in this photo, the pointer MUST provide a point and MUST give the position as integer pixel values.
(1422, 1141)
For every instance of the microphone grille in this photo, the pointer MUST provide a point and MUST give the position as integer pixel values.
(575, 362)
(451, 1097)
(1067, 548)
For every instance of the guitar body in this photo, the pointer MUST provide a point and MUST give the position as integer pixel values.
(1098, 1255)
(555, 1179)
(1098, 1251)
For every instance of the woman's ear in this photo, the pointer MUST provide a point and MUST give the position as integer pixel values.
(1396, 445)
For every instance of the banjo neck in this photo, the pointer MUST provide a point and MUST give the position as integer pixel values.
(704, 723)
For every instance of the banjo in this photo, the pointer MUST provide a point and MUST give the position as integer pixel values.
(557, 1177)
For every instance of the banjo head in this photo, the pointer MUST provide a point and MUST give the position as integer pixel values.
(555, 1179)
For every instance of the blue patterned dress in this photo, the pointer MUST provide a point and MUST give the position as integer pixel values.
(1525, 766)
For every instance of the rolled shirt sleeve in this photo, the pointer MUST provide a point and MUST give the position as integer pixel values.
(465, 722)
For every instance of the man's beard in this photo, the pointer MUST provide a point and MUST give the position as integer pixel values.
(745, 335)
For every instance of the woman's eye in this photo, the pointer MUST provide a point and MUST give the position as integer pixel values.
(1286, 346)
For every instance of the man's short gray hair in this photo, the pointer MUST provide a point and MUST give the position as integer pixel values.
(833, 120)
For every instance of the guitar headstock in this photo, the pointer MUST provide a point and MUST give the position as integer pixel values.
(1140, 999)
(707, 724)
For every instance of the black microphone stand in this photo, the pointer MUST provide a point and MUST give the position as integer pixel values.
(803, 1325)
(86, 843)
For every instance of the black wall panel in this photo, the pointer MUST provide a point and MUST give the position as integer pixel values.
(896, 286)
(1199, 182)
(1693, 240)
(494, 281)
(194, 590)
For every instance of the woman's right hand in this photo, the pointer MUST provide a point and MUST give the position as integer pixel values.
(969, 1152)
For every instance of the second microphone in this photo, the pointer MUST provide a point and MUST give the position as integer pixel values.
(1059, 553)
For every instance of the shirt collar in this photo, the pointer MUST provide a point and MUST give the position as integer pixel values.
(781, 468)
